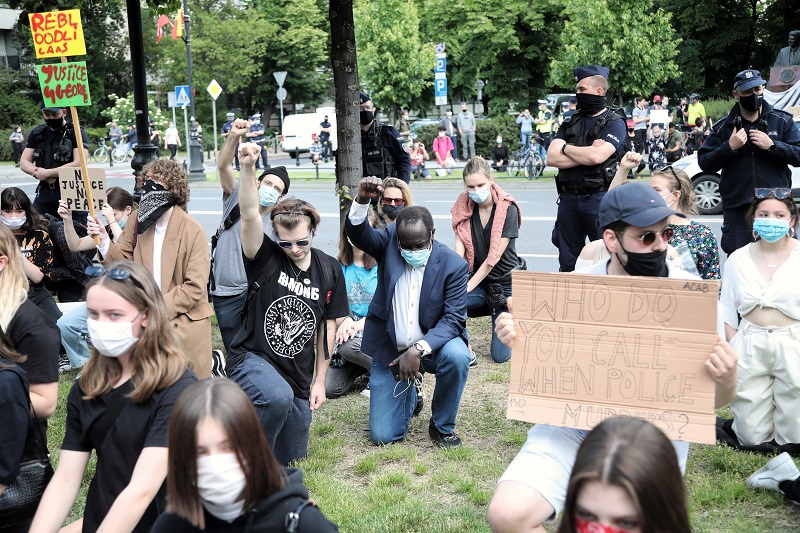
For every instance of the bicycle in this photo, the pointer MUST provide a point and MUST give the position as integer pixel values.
(120, 152)
(101, 154)
(527, 161)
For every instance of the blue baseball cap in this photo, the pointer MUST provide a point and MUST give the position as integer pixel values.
(590, 70)
(52, 109)
(636, 204)
(364, 97)
(747, 79)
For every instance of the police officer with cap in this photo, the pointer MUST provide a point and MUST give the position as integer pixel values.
(586, 167)
(753, 146)
(256, 135)
(384, 152)
(325, 138)
(226, 130)
(51, 146)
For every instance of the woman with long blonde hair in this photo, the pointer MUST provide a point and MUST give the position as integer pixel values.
(120, 407)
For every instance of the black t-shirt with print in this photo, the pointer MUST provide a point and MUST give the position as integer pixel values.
(138, 426)
(481, 237)
(37, 248)
(283, 315)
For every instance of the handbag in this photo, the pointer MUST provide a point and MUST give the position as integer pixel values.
(22, 496)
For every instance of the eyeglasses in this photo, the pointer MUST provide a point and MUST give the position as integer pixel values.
(649, 237)
(393, 201)
(117, 274)
(780, 193)
(300, 244)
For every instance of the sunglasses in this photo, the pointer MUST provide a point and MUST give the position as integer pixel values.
(393, 201)
(663, 170)
(117, 274)
(649, 237)
(300, 244)
(780, 193)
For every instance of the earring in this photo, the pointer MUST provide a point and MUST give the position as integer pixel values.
(791, 232)
(755, 235)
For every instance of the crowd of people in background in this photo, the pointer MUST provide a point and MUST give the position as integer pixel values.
(191, 438)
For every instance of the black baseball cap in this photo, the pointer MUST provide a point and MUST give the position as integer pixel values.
(747, 79)
(636, 204)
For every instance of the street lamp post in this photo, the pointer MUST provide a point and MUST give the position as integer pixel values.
(196, 170)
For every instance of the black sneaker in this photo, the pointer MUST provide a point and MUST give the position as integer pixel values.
(443, 440)
(63, 364)
(217, 364)
(420, 396)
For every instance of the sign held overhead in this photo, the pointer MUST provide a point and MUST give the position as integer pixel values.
(57, 34)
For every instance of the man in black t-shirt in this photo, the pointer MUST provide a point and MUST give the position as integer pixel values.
(295, 291)
(51, 146)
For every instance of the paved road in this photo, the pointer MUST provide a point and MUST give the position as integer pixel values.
(537, 202)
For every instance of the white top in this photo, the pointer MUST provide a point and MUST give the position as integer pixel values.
(405, 303)
(158, 244)
(744, 288)
(171, 136)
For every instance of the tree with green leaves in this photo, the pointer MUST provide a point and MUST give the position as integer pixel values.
(394, 63)
(508, 45)
(633, 39)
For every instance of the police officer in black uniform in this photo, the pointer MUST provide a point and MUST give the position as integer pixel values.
(585, 170)
(753, 146)
(256, 135)
(226, 130)
(384, 152)
(51, 146)
(325, 138)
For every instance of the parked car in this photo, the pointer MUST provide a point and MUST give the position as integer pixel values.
(420, 122)
(706, 185)
(298, 128)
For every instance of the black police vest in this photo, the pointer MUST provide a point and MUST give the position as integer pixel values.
(56, 152)
(587, 179)
(324, 135)
(376, 161)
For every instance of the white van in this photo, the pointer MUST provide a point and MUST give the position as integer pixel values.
(297, 130)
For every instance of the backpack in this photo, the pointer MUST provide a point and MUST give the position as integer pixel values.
(229, 221)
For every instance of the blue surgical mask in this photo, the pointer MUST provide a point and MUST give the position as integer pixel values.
(267, 196)
(416, 258)
(122, 223)
(479, 195)
(771, 229)
(13, 223)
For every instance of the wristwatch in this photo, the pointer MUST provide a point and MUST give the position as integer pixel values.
(772, 147)
(423, 352)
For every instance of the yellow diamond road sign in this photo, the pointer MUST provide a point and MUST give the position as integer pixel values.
(214, 89)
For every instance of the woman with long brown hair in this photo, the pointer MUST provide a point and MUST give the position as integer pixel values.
(222, 473)
(119, 407)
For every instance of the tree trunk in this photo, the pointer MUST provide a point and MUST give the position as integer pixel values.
(346, 85)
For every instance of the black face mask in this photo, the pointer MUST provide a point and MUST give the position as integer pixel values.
(591, 103)
(55, 123)
(650, 264)
(366, 117)
(751, 102)
(391, 211)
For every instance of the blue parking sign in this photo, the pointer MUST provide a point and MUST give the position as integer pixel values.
(440, 87)
(441, 64)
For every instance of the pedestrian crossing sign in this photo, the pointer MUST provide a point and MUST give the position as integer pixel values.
(182, 93)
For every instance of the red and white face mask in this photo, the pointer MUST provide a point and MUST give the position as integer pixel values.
(585, 526)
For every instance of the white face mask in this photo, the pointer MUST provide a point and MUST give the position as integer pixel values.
(111, 339)
(220, 482)
(13, 222)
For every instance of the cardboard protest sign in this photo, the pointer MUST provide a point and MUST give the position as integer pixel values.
(592, 347)
(64, 84)
(660, 116)
(73, 191)
(57, 34)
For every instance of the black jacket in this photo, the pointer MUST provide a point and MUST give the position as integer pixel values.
(750, 166)
(268, 516)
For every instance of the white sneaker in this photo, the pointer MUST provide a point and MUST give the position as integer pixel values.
(769, 476)
(365, 392)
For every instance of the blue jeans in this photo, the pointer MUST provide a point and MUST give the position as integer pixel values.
(454, 138)
(229, 315)
(74, 335)
(479, 298)
(577, 219)
(526, 140)
(284, 417)
(391, 402)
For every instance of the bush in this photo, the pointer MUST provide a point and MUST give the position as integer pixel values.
(716, 109)
(485, 134)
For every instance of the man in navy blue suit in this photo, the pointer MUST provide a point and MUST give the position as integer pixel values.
(416, 319)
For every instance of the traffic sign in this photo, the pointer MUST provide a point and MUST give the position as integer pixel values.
(440, 87)
(439, 75)
(441, 64)
(182, 94)
(281, 94)
(439, 48)
(280, 77)
(214, 89)
(441, 100)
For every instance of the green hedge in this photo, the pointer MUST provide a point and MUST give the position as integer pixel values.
(485, 134)
(716, 109)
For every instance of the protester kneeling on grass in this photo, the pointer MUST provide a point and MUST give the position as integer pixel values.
(486, 221)
(635, 230)
(626, 479)
(222, 474)
(119, 407)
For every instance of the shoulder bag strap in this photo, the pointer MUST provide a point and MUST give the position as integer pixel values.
(103, 424)
(292, 520)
